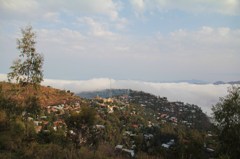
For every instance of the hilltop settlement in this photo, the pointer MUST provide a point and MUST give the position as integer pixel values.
(52, 123)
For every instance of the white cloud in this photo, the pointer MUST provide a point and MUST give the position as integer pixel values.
(51, 16)
(206, 39)
(18, 6)
(38, 9)
(207, 53)
(76, 86)
(107, 7)
(60, 41)
(3, 77)
(139, 5)
(226, 7)
(64, 43)
(97, 28)
(121, 23)
(207, 50)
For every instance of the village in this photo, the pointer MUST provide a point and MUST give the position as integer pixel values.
(137, 118)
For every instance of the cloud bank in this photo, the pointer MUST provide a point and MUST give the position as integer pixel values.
(204, 95)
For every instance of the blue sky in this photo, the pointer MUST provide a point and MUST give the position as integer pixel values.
(148, 40)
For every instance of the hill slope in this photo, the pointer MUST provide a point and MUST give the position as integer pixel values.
(130, 124)
(189, 114)
(46, 95)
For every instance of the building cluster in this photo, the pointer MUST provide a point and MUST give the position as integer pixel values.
(138, 112)
(169, 112)
(52, 117)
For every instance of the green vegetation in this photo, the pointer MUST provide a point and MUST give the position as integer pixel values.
(56, 124)
(74, 127)
(227, 116)
(82, 124)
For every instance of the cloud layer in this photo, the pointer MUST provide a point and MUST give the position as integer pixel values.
(205, 95)
(202, 95)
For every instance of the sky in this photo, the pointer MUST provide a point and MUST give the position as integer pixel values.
(143, 40)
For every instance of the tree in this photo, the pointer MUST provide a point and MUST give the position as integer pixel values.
(227, 115)
(28, 68)
(82, 123)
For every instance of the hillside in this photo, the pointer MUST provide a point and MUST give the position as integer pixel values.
(46, 95)
(179, 112)
(131, 124)
(163, 109)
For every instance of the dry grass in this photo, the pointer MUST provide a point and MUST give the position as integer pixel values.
(46, 95)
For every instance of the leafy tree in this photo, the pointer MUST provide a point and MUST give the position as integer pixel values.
(82, 123)
(27, 69)
(227, 115)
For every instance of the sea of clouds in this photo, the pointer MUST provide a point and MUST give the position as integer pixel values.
(203, 95)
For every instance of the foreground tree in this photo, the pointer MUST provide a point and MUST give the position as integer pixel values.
(28, 68)
(227, 115)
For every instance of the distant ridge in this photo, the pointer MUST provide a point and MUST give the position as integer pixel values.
(106, 93)
(193, 81)
(221, 82)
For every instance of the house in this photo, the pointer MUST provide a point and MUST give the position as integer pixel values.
(163, 115)
(127, 132)
(37, 123)
(169, 144)
(30, 119)
(43, 117)
(133, 135)
(110, 100)
(210, 150)
(173, 119)
(165, 146)
(148, 136)
(100, 126)
(135, 126)
(133, 147)
(130, 152)
(72, 132)
(119, 147)
(55, 128)
(110, 109)
(38, 129)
